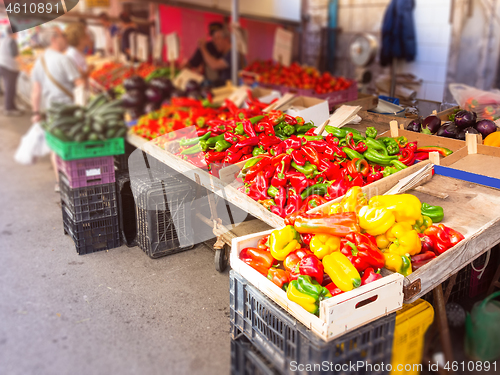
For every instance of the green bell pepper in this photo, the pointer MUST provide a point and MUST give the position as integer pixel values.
(289, 130)
(308, 293)
(422, 224)
(391, 145)
(436, 213)
(257, 150)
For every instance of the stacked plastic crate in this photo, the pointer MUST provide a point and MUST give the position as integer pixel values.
(88, 192)
(163, 205)
(268, 340)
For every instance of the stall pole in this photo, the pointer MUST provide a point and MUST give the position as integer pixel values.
(234, 46)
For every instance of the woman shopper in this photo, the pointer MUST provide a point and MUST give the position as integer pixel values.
(9, 71)
(54, 76)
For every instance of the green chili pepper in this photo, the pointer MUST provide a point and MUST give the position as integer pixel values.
(398, 165)
(376, 145)
(436, 213)
(212, 141)
(308, 169)
(257, 150)
(378, 158)
(319, 189)
(203, 145)
(239, 129)
(304, 128)
(250, 163)
(192, 150)
(222, 145)
(351, 130)
(388, 171)
(272, 191)
(193, 141)
(289, 130)
(391, 145)
(371, 132)
(255, 119)
(311, 137)
(352, 154)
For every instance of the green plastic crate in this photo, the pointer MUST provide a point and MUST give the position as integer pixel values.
(87, 149)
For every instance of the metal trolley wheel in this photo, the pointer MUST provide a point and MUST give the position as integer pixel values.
(221, 258)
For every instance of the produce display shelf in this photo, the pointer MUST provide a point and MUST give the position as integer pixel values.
(87, 149)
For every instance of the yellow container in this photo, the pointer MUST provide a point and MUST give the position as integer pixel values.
(407, 349)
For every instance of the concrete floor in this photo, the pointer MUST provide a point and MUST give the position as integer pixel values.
(104, 313)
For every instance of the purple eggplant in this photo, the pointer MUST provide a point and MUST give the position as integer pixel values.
(486, 127)
(464, 119)
(133, 98)
(431, 125)
(164, 84)
(134, 83)
(448, 130)
(470, 130)
(414, 126)
(154, 95)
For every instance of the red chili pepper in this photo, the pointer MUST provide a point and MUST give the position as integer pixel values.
(407, 156)
(248, 128)
(330, 170)
(311, 132)
(311, 155)
(280, 200)
(214, 156)
(298, 181)
(299, 157)
(267, 141)
(319, 146)
(290, 120)
(278, 149)
(258, 188)
(419, 156)
(373, 176)
(294, 202)
(334, 152)
(337, 188)
(280, 178)
(292, 143)
(411, 146)
(233, 157)
(306, 238)
(233, 138)
(332, 140)
(252, 141)
(362, 167)
(231, 106)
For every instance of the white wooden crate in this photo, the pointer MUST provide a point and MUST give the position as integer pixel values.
(337, 315)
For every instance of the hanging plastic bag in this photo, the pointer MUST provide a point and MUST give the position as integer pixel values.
(482, 338)
(486, 104)
(32, 145)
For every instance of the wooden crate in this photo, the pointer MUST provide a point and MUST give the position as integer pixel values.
(339, 314)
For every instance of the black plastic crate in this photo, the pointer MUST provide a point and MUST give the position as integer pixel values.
(88, 203)
(126, 209)
(91, 236)
(247, 360)
(121, 161)
(163, 211)
(282, 339)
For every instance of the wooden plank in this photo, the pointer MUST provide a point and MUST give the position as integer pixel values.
(365, 101)
(382, 119)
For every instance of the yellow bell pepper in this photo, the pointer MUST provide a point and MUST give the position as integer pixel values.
(334, 209)
(307, 301)
(398, 263)
(341, 271)
(422, 224)
(493, 139)
(404, 238)
(283, 241)
(375, 220)
(324, 244)
(353, 200)
(382, 241)
(406, 207)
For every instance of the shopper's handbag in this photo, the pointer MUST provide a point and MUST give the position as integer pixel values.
(55, 82)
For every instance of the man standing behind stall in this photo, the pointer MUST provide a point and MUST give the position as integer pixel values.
(197, 62)
(222, 65)
(127, 27)
(110, 30)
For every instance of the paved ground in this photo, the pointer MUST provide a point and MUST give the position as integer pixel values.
(115, 312)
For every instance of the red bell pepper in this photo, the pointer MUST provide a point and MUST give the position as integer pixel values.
(278, 276)
(267, 141)
(373, 176)
(293, 259)
(260, 260)
(310, 265)
(443, 238)
(292, 143)
(332, 140)
(427, 243)
(306, 238)
(338, 188)
(421, 259)
(334, 152)
(298, 181)
(361, 251)
(333, 289)
(319, 146)
(455, 237)
(370, 276)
